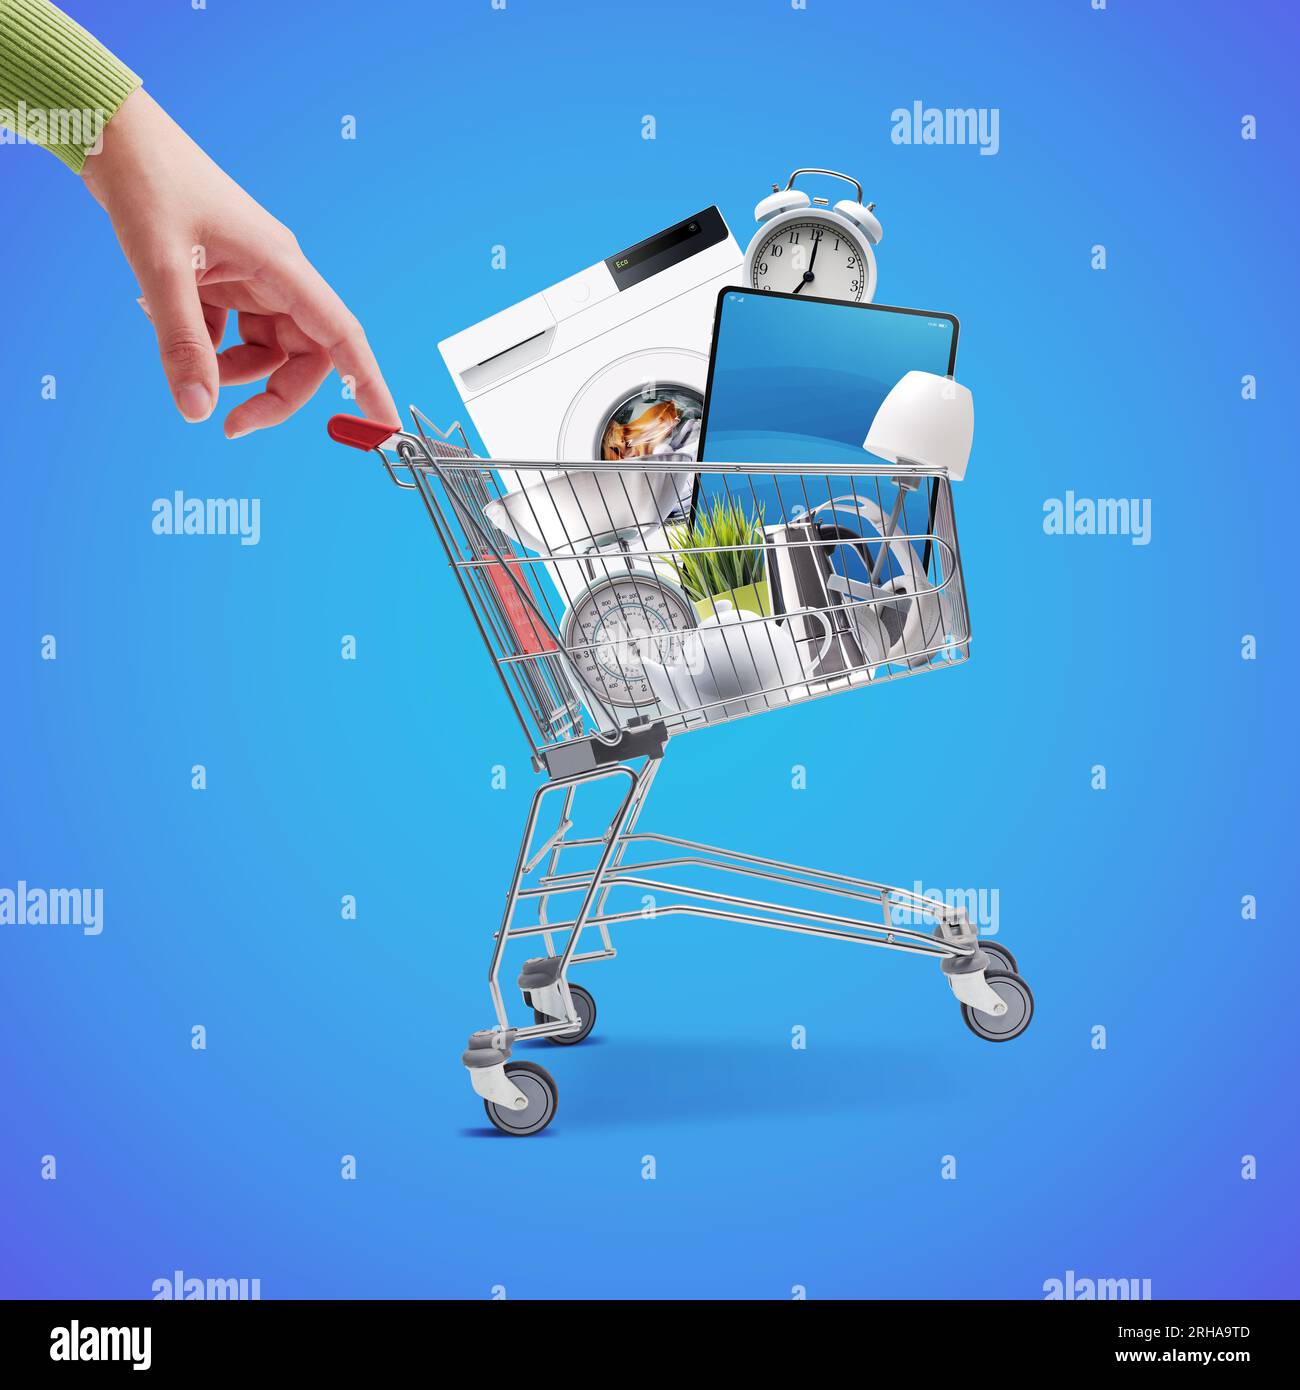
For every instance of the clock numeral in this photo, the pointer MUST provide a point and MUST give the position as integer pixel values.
(777, 251)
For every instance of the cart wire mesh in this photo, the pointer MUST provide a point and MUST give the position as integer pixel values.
(620, 595)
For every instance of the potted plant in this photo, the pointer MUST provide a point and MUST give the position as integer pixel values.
(719, 554)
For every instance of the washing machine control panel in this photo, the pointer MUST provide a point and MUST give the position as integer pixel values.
(667, 248)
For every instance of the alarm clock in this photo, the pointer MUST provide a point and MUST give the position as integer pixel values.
(805, 246)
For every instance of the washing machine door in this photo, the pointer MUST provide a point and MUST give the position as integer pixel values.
(646, 403)
(641, 406)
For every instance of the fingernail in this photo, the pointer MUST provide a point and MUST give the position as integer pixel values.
(239, 434)
(145, 307)
(195, 401)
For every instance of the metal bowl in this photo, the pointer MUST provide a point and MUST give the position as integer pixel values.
(565, 512)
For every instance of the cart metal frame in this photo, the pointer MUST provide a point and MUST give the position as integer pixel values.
(580, 737)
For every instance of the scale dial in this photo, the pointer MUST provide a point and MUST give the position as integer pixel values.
(613, 622)
(812, 254)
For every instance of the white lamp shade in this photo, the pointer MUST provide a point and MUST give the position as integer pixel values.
(926, 420)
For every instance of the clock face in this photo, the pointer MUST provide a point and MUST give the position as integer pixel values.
(813, 258)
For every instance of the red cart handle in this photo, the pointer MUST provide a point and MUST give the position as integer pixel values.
(358, 432)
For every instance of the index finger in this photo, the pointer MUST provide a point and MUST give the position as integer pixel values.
(306, 297)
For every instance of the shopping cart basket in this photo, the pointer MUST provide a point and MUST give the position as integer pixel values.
(626, 603)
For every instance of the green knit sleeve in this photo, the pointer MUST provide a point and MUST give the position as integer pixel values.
(58, 84)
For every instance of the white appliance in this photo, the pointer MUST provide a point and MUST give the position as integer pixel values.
(611, 362)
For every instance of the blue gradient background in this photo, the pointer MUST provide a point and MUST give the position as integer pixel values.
(775, 1167)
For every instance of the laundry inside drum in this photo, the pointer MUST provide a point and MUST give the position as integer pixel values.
(657, 421)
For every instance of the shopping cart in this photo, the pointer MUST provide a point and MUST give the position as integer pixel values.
(625, 603)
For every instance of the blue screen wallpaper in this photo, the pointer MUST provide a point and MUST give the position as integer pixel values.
(1111, 776)
(802, 380)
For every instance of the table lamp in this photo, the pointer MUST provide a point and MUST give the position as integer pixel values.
(926, 420)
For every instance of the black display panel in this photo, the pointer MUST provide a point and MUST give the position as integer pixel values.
(667, 248)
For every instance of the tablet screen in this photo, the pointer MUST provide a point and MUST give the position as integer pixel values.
(796, 380)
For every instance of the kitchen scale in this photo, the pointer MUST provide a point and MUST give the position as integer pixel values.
(607, 552)
(626, 608)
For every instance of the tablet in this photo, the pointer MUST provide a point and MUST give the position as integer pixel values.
(800, 380)
(794, 380)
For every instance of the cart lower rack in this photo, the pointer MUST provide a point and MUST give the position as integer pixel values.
(626, 603)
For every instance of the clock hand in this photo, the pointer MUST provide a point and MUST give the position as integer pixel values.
(808, 274)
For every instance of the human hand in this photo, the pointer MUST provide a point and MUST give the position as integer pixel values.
(165, 198)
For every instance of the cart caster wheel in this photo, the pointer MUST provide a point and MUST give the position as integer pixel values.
(539, 1086)
(999, 957)
(1020, 1009)
(585, 1006)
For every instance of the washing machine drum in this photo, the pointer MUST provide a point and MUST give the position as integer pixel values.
(646, 404)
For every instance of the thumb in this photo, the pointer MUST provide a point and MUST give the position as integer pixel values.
(184, 344)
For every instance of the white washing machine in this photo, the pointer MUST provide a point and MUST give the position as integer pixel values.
(611, 362)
